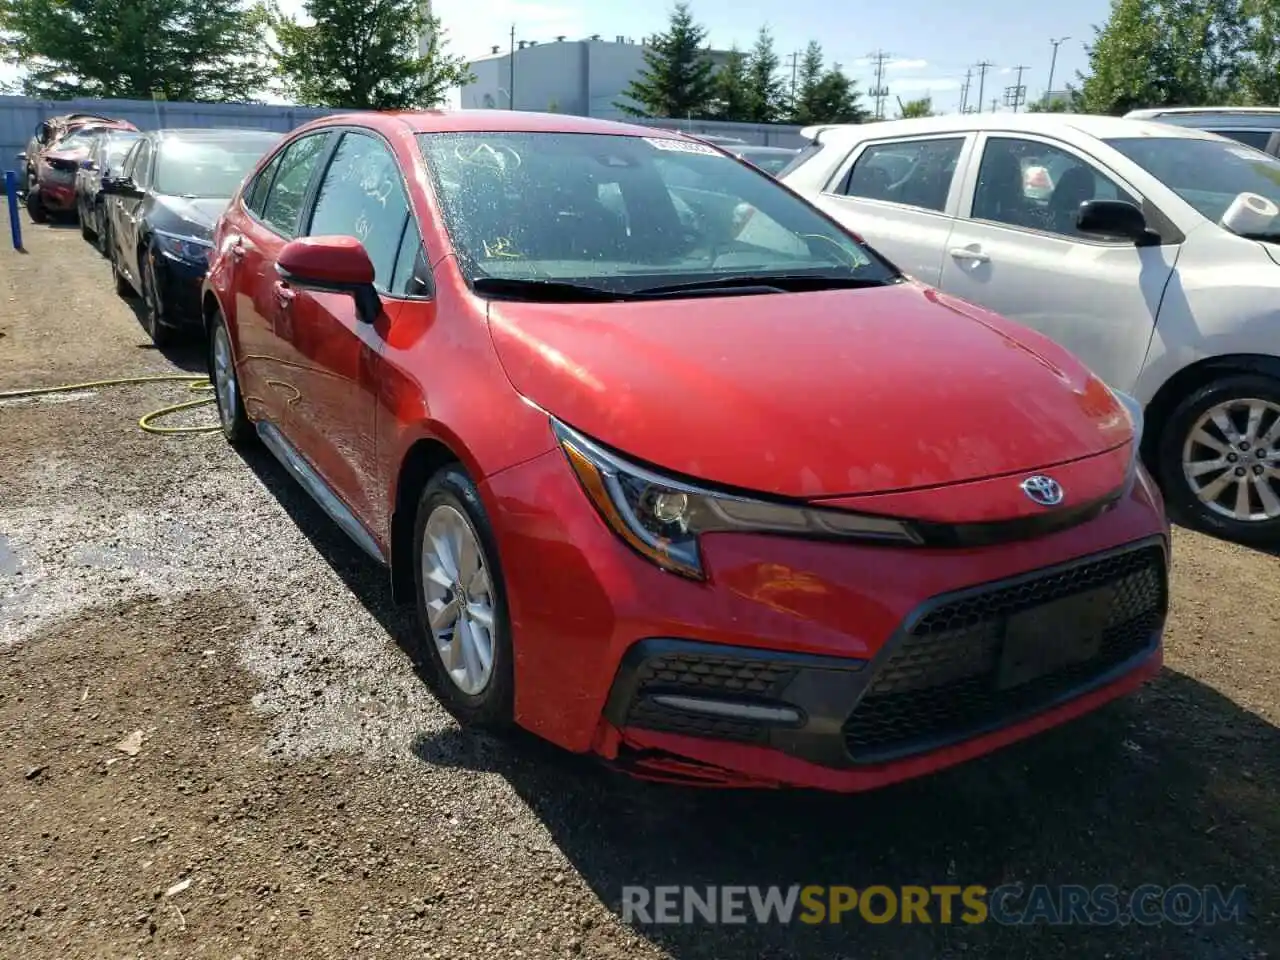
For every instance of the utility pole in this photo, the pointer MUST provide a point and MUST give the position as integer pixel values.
(995, 104)
(881, 92)
(964, 91)
(511, 80)
(983, 67)
(1016, 95)
(795, 61)
(1053, 62)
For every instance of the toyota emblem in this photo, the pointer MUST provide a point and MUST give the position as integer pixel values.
(1043, 490)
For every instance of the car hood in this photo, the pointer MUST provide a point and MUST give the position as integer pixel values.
(812, 394)
(192, 217)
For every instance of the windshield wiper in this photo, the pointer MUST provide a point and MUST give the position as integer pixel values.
(553, 291)
(763, 283)
(1266, 236)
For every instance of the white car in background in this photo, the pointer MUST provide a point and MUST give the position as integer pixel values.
(1124, 260)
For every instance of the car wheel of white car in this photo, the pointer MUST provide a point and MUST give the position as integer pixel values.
(1219, 459)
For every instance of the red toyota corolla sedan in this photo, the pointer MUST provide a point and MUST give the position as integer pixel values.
(677, 470)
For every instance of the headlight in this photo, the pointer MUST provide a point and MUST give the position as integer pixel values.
(190, 249)
(1132, 409)
(662, 518)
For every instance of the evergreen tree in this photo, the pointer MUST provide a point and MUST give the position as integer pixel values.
(836, 99)
(677, 78)
(729, 100)
(805, 108)
(766, 94)
(365, 55)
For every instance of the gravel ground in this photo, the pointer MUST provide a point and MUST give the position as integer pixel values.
(217, 742)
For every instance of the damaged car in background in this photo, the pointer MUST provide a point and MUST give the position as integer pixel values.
(106, 154)
(52, 158)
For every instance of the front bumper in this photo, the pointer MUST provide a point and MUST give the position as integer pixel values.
(865, 664)
(58, 197)
(179, 283)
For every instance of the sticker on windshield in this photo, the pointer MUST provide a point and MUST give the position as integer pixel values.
(680, 146)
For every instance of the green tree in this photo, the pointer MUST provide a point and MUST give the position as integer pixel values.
(805, 107)
(923, 107)
(677, 77)
(365, 55)
(1154, 53)
(195, 50)
(729, 91)
(836, 99)
(1260, 75)
(766, 93)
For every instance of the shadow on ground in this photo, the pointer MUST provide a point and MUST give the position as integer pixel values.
(1176, 785)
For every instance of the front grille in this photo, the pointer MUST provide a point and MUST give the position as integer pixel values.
(703, 675)
(942, 682)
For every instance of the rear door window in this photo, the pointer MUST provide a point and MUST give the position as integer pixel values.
(288, 192)
(917, 173)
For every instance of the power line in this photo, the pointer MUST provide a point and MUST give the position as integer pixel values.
(881, 92)
(511, 80)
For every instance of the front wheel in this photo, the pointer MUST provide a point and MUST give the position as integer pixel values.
(152, 305)
(1219, 459)
(36, 209)
(462, 605)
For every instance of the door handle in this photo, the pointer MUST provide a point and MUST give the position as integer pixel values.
(284, 294)
(965, 253)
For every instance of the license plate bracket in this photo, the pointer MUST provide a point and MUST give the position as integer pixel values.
(1053, 635)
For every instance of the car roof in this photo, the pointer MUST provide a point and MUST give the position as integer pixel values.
(211, 133)
(1147, 113)
(492, 121)
(1045, 123)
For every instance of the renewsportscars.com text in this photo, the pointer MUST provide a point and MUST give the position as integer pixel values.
(1009, 905)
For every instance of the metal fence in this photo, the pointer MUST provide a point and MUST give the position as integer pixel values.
(19, 117)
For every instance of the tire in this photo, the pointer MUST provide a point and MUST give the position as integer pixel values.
(152, 305)
(86, 225)
(36, 208)
(450, 497)
(101, 232)
(235, 423)
(1233, 394)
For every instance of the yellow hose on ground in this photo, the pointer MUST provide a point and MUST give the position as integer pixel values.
(198, 383)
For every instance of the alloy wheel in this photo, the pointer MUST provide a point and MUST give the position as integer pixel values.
(224, 378)
(459, 599)
(1231, 459)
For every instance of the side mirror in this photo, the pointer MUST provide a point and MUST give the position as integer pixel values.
(119, 187)
(335, 265)
(1113, 218)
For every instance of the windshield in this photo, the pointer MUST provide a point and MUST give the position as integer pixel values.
(73, 141)
(1208, 174)
(627, 213)
(207, 168)
(116, 148)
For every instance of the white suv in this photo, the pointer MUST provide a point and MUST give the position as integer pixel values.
(1108, 236)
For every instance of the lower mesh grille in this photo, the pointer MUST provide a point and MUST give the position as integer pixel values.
(699, 675)
(951, 675)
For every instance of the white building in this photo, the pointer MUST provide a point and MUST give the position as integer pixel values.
(582, 77)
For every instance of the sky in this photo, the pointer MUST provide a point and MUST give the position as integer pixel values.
(929, 43)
